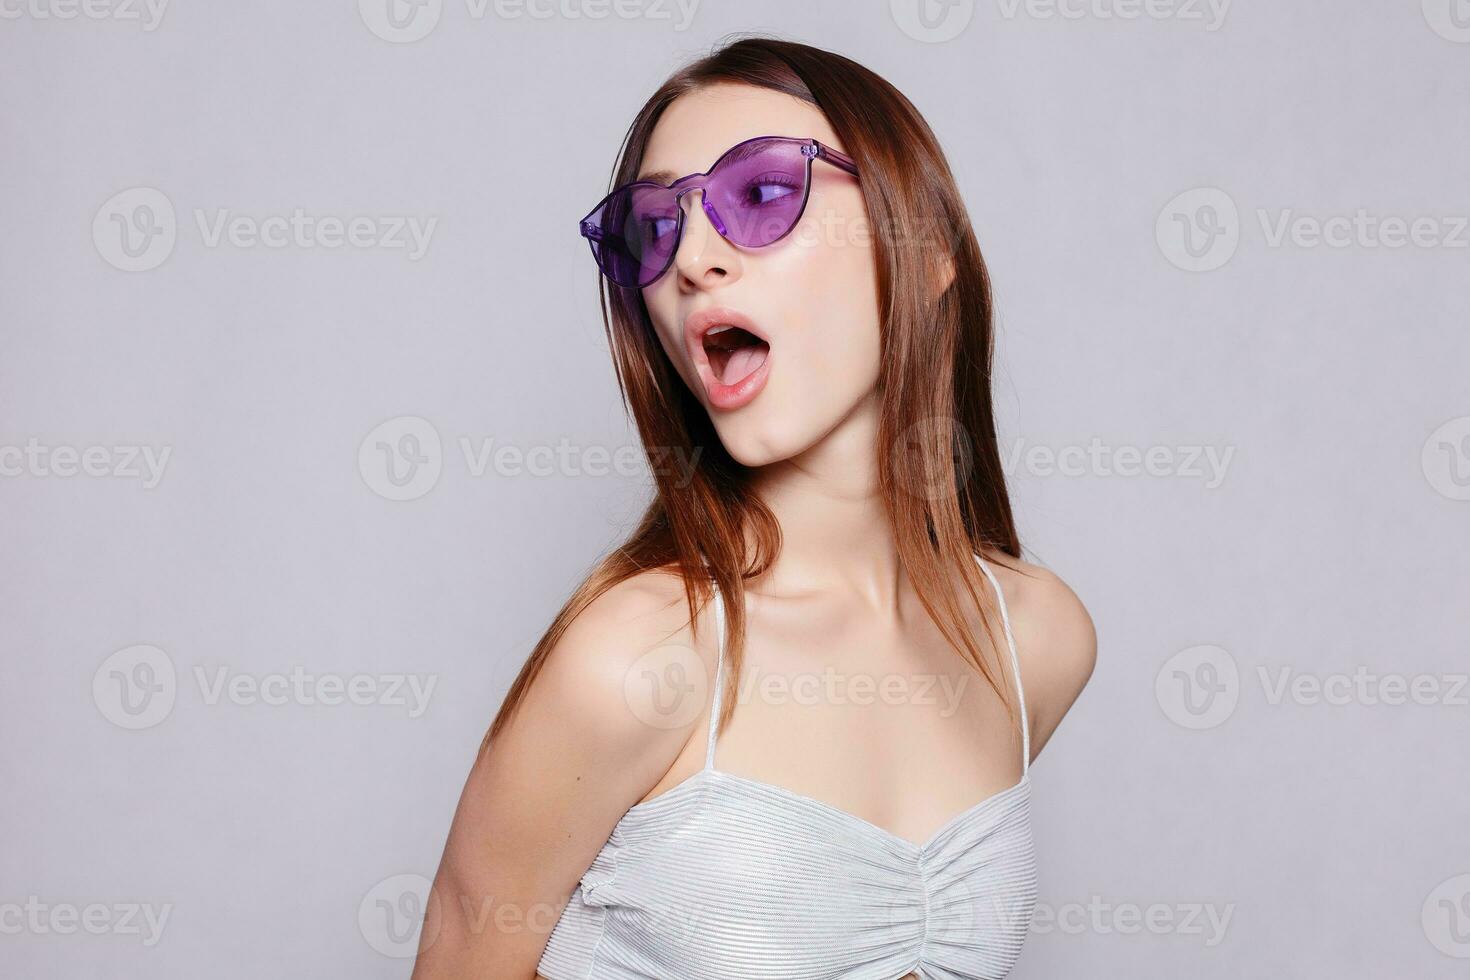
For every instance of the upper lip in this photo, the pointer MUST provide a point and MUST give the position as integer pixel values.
(699, 323)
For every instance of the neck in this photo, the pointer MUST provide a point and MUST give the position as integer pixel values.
(835, 532)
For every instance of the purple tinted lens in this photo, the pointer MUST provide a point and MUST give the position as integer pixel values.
(754, 196)
(640, 230)
(758, 192)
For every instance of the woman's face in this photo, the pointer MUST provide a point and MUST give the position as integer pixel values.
(812, 295)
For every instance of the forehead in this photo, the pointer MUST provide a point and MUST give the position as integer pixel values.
(699, 126)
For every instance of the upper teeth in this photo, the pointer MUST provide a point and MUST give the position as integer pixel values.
(719, 329)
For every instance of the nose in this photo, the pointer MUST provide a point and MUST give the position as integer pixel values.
(704, 257)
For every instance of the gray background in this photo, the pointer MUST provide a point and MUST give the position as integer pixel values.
(285, 838)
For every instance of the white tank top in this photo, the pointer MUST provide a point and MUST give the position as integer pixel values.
(723, 877)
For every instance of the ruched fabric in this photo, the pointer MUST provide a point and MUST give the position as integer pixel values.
(724, 877)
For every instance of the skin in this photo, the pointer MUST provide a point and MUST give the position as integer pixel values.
(539, 805)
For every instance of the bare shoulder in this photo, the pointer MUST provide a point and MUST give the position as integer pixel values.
(616, 701)
(585, 743)
(591, 735)
(1056, 642)
(618, 626)
(597, 675)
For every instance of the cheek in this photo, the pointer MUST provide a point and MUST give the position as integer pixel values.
(836, 326)
(661, 310)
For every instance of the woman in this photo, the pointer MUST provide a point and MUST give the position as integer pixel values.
(815, 764)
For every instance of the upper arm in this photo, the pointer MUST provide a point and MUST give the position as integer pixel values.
(1056, 644)
(542, 799)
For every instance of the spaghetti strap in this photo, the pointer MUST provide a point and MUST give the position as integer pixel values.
(714, 711)
(1005, 619)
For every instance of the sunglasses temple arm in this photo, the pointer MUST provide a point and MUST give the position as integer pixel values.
(835, 157)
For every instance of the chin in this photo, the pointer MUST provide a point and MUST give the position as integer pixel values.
(753, 442)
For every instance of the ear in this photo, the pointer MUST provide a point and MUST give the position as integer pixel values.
(944, 274)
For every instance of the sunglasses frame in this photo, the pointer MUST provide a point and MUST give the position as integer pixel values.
(811, 149)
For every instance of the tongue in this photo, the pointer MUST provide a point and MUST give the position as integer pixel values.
(742, 361)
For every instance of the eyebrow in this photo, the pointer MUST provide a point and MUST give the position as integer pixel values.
(667, 176)
(658, 176)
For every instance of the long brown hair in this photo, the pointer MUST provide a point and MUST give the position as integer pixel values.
(939, 465)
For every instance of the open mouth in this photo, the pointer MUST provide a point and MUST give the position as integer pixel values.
(734, 353)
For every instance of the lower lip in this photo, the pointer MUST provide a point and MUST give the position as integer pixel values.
(742, 392)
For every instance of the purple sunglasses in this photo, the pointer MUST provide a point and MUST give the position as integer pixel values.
(754, 195)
